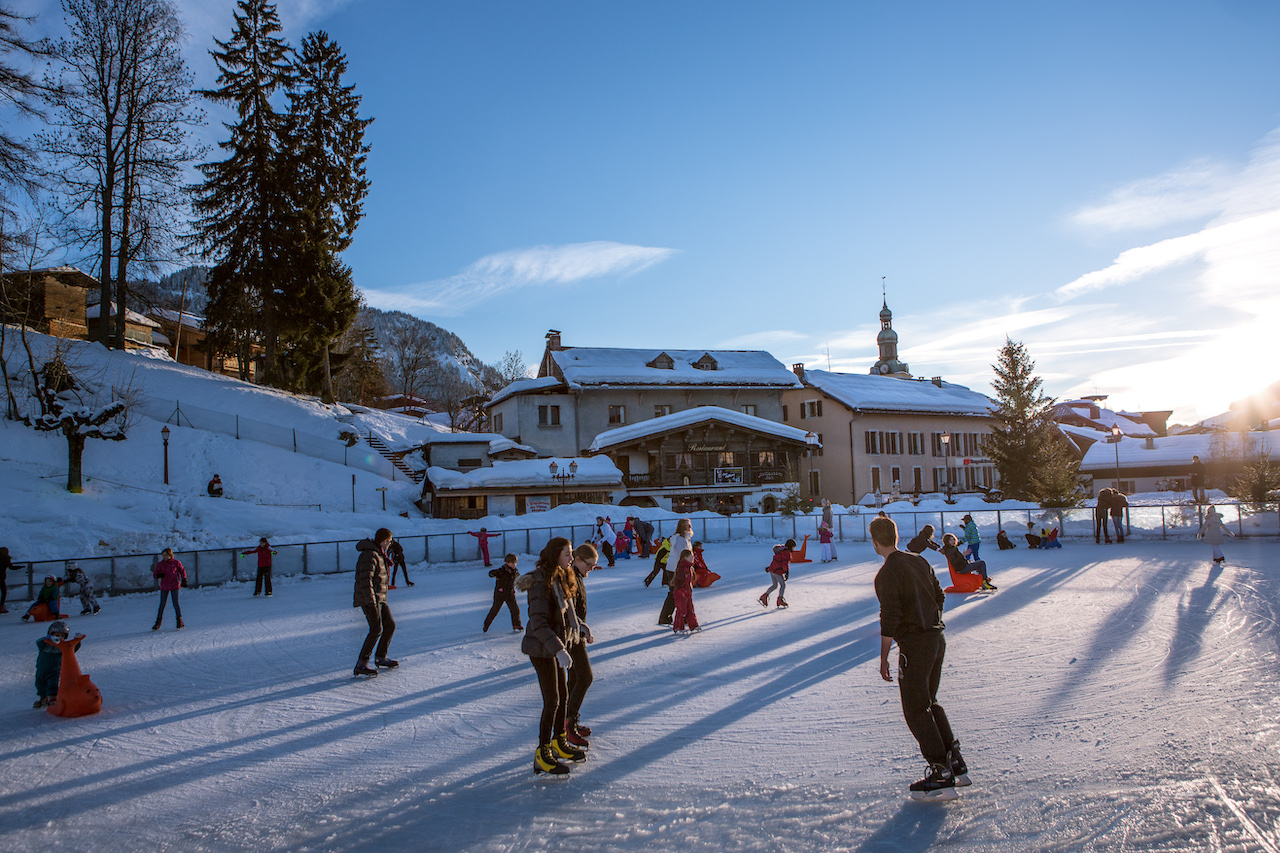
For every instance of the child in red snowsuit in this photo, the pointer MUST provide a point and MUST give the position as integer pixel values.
(484, 536)
(702, 576)
(682, 591)
(779, 570)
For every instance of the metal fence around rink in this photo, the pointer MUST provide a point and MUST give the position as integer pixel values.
(132, 572)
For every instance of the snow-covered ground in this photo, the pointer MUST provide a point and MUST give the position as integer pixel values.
(1116, 698)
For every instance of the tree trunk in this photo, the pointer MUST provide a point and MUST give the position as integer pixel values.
(326, 387)
(75, 452)
(106, 199)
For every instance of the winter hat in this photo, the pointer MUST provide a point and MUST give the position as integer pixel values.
(58, 629)
(50, 579)
(967, 517)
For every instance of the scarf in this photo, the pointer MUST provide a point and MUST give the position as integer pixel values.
(572, 627)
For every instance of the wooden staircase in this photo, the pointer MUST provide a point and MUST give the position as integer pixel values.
(376, 442)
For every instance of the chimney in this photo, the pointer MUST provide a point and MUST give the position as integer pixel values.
(553, 340)
(937, 380)
(1151, 443)
(798, 370)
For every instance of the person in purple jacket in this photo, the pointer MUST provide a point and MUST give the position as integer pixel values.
(172, 577)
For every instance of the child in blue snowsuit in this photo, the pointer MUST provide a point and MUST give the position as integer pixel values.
(49, 663)
(48, 594)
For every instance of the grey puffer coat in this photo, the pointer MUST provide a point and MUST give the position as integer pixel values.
(1213, 528)
(546, 625)
(371, 575)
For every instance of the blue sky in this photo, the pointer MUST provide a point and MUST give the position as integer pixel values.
(1099, 180)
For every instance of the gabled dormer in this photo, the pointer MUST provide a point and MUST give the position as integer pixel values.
(663, 362)
(706, 363)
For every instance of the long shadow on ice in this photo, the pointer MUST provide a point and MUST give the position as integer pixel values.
(913, 828)
(1195, 613)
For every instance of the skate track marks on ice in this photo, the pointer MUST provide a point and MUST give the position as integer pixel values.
(1108, 698)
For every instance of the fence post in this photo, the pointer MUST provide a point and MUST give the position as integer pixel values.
(999, 524)
(337, 555)
(237, 427)
(1164, 532)
(113, 575)
(304, 559)
(295, 439)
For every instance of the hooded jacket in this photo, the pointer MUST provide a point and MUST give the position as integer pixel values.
(545, 629)
(171, 574)
(1213, 528)
(371, 575)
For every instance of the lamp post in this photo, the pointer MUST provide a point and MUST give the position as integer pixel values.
(565, 477)
(164, 433)
(1116, 436)
(945, 438)
(810, 444)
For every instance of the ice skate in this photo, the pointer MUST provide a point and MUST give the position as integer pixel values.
(387, 663)
(571, 735)
(181, 624)
(544, 761)
(363, 668)
(938, 785)
(959, 770)
(764, 600)
(583, 731)
(562, 749)
(782, 602)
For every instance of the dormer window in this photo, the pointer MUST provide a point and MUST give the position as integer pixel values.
(663, 362)
(706, 363)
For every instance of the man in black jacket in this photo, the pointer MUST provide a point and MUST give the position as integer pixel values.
(911, 602)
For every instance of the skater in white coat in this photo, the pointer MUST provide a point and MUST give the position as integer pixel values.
(1211, 531)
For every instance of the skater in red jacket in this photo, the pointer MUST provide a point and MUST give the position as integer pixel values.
(264, 553)
(484, 536)
(779, 570)
(172, 577)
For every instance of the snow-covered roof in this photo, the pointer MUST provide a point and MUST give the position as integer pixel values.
(868, 392)
(91, 313)
(526, 386)
(1169, 450)
(1129, 423)
(582, 366)
(502, 445)
(528, 473)
(689, 417)
(189, 320)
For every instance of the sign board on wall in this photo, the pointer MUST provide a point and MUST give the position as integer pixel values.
(537, 503)
(728, 476)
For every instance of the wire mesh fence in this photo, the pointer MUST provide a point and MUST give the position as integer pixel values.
(132, 572)
(334, 449)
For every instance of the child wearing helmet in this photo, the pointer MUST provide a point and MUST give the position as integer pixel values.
(48, 594)
(49, 663)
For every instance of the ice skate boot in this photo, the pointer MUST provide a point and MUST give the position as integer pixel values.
(544, 761)
(566, 751)
(782, 602)
(583, 731)
(387, 663)
(764, 600)
(363, 668)
(574, 739)
(939, 784)
(959, 770)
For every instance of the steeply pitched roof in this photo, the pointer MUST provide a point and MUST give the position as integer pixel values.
(864, 392)
(690, 417)
(594, 366)
(527, 473)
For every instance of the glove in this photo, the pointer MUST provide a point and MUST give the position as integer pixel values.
(562, 658)
(586, 634)
(184, 584)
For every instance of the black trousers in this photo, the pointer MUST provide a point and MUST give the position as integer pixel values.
(607, 548)
(555, 697)
(399, 567)
(580, 679)
(264, 577)
(381, 628)
(668, 606)
(508, 598)
(1100, 528)
(919, 673)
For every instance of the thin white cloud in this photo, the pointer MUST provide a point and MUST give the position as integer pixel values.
(494, 275)
(1196, 190)
(763, 340)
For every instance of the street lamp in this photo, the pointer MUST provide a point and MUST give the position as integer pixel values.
(565, 477)
(164, 433)
(811, 443)
(945, 438)
(1116, 436)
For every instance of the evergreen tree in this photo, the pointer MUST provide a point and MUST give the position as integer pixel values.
(240, 204)
(324, 173)
(1024, 443)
